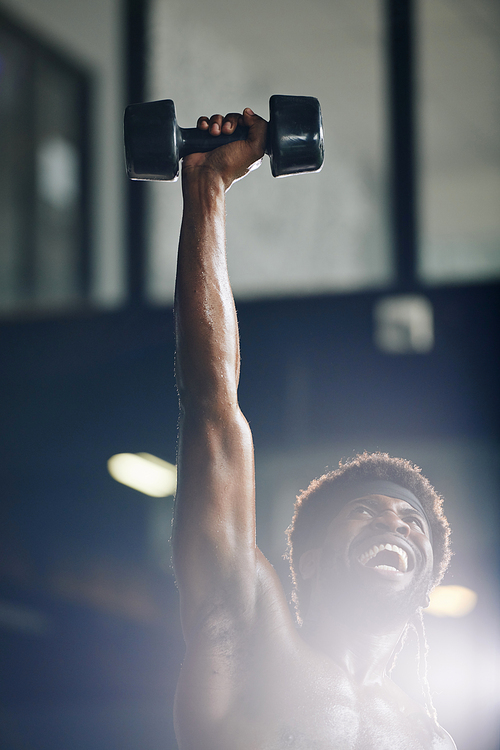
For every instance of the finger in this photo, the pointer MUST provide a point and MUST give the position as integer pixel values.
(215, 124)
(252, 120)
(231, 121)
(202, 123)
(257, 128)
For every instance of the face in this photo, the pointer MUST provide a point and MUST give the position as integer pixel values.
(376, 554)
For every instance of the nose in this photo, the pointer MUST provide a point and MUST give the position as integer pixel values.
(389, 520)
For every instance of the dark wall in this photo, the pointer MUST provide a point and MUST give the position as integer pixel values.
(75, 543)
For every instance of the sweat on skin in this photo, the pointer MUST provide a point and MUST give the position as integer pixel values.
(251, 680)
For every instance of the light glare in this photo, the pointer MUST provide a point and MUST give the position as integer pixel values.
(451, 601)
(144, 472)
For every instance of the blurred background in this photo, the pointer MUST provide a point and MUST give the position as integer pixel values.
(368, 301)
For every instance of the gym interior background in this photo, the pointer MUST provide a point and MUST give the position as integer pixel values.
(368, 305)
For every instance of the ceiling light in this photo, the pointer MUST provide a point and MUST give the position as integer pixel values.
(144, 472)
(451, 601)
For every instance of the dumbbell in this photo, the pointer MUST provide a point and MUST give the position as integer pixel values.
(154, 143)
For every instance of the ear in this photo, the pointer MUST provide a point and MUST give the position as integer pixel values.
(308, 563)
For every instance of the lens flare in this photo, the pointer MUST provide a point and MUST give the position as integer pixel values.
(144, 472)
(451, 601)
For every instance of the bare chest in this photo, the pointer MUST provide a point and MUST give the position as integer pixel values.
(295, 701)
(324, 712)
(344, 728)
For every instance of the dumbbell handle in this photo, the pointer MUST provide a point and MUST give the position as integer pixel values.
(196, 141)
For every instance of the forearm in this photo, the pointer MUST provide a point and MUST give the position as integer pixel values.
(207, 363)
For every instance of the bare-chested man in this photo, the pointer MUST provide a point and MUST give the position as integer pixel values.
(369, 540)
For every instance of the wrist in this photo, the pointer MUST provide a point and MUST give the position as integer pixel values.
(203, 192)
(202, 180)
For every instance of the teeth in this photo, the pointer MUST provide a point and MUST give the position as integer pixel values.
(370, 553)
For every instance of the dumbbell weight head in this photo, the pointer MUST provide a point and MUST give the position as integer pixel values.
(154, 143)
(295, 135)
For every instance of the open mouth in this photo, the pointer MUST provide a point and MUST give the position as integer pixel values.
(388, 557)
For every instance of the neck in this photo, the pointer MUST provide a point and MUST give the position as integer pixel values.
(363, 653)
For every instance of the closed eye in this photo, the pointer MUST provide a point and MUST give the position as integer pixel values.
(361, 510)
(415, 520)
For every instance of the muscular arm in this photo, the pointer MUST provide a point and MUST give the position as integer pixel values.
(214, 526)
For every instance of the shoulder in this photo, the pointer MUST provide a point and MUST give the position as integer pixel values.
(236, 657)
(432, 735)
(435, 736)
(443, 740)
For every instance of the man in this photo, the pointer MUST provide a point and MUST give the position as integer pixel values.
(368, 543)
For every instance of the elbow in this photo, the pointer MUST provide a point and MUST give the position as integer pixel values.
(206, 392)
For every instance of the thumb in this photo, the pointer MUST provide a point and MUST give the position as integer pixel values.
(257, 127)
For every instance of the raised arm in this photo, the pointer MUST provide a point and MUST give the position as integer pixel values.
(214, 523)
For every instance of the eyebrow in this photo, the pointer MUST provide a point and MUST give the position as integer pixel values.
(375, 504)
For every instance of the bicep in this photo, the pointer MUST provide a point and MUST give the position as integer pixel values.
(443, 740)
(449, 743)
(214, 521)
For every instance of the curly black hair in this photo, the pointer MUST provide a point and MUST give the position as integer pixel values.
(316, 507)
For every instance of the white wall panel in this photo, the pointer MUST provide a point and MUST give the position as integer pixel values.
(459, 97)
(300, 235)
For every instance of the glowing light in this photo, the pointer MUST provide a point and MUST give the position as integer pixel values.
(58, 172)
(404, 324)
(144, 472)
(451, 601)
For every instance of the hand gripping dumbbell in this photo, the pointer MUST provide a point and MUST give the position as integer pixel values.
(154, 143)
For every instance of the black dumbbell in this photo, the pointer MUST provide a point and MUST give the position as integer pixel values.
(154, 143)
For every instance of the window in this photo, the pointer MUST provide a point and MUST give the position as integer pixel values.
(43, 213)
(459, 108)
